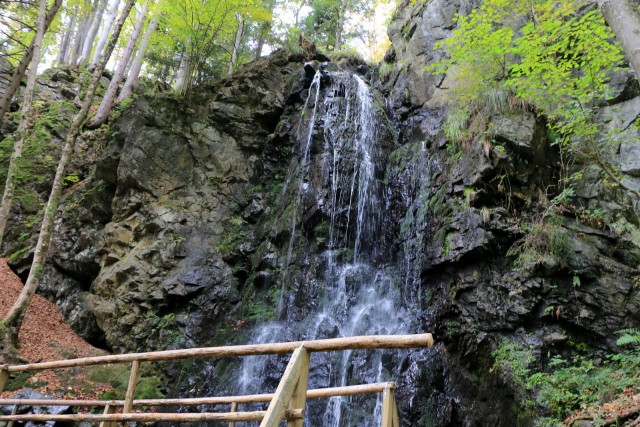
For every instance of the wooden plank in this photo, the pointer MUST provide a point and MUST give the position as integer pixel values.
(299, 398)
(152, 417)
(131, 388)
(220, 400)
(14, 411)
(109, 409)
(394, 407)
(234, 408)
(285, 389)
(4, 376)
(386, 419)
(333, 344)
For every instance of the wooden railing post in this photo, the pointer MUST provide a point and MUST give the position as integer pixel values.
(299, 398)
(14, 411)
(394, 406)
(109, 409)
(4, 376)
(131, 388)
(234, 408)
(287, 387)
(389, 407)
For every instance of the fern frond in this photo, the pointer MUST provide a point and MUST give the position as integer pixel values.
(628, 336)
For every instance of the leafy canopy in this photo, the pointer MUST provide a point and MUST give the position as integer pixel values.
(542, 51)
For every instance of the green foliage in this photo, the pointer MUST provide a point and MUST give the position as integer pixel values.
(36, 166)
(513, 360)
(23, 380)
(385, 69)
(540, 53)
(456, 124)
(260, 306)
(71, 179)
(292, 40)
(542, 238)
(202, 34)
(235, 235)
(630, 336)
(566, 383)
(149, 386)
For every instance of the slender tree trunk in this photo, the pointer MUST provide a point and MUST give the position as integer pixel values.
(235, 54)
(262, 35)
(13, 319)
(624, 19)
(110, 94)
(93, 30)
(21, 137)
(113, 12)
(20, 71)
(66, 40)
(134, 72)
(265, 27)
(340, 26)
(83, 26)
(297, 13)
(188, 75)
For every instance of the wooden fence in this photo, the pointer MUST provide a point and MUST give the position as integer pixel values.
(287, 403)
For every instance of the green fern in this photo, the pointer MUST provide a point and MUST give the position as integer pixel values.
(628, 337)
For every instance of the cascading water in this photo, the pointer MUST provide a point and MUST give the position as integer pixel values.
(359, 294)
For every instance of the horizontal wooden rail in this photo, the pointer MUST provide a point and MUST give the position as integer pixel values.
(252, 398)
(191, 417)
(333, 344)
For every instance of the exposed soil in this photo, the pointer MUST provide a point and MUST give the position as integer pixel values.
(45, 336)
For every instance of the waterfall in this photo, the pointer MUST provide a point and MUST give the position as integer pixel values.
(360, 293)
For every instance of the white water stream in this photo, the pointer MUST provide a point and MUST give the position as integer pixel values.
(359, 296)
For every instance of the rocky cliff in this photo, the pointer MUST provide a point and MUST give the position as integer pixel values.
(183, 231)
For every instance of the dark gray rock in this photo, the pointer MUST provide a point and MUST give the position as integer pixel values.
(38, 410)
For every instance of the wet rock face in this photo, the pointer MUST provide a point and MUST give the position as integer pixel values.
(180, 238)
(136, 258)
(38, 410)
(461, 208)
(413, 31)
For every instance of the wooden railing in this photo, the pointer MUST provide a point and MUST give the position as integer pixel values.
(287, 403)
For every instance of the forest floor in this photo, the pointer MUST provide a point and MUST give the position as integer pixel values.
(45, 336)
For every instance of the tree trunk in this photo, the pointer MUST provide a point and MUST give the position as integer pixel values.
(264, 30)
(93, 30)
(20, 71)
(66, 39)
(235, 54)
(127, 89)
(340, 26)
(83, 27)
(13, 319)
(113, 12)
(110, 94)
(265, 27)
(21, 137)
(624, 19)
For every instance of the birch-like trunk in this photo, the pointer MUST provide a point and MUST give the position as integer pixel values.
(63, 55)
(21, 137)
(265, 28)
(83, 27)
(110, 95)
(93, 30)
(104, 34)
(237, 44)
(134, 72)
(20, 71)
(340, 26)
(13, 319)
(624, 19)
